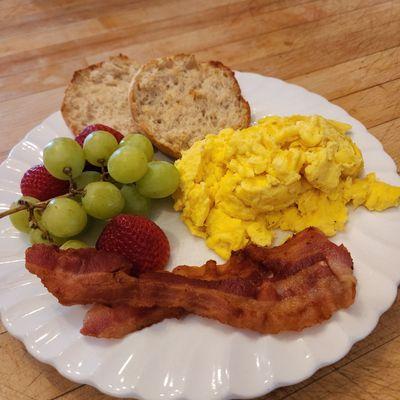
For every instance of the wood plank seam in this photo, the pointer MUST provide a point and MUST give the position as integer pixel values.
(330, 99)
(71, 10)
(310, 72)
(381, 123)
(343, 63)
(338, 369)
(252, 35)
(364, 100)
(19, 392)
(367, 352)
(366, 88)
(302, 23)
(72, 42)
(67, 392)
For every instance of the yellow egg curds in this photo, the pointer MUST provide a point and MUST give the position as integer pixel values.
(285, 172)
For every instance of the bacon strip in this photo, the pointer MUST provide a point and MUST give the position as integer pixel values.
(290, 287)
(103, 321)
(117, 321)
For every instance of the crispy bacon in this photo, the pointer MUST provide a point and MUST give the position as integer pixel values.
(117, 321)
(102, 321)
(269, 290)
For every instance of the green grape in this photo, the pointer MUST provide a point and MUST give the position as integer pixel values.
(102, 200)
(135, 203)
(64, 217)
(140, 142)
(37, 236)
(87, 177)
(161, 180)
(127, 164)
(20, 219)
(98, 147)
(73, 244)
(62, 155)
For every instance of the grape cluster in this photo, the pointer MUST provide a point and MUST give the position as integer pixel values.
(126, 180)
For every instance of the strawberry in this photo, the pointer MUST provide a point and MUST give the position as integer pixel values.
(139, 239)
(98, 127)
(37, 182)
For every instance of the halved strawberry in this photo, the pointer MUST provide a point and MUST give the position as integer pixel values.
(137, 238)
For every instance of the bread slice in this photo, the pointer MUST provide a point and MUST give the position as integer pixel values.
(98, 94)
(177, 100)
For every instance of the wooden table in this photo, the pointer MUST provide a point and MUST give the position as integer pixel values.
(346, 50)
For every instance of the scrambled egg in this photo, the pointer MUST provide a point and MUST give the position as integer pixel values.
(285, 172)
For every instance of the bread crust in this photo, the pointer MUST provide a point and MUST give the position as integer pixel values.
(154, 136)
(69, 95)
(241, 99)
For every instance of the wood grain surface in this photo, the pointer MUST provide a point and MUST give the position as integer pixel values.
(345, 50)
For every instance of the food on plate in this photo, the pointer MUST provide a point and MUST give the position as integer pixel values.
(174, 100)
(64, 217)
(135, 203)
(141, 142)
(296, 285)
(161, 180)
(127, 164)
(73, 244)
(102, 200)
(37, 182)
(98, 147)
(177, 100)
(137, 238)
(37, 236)
(97, 127)
(71, 191)
(111, 322)
(99, 94)
(21, 219)
(284, 172)
(85, 178)
(64, 158)
(371, 193)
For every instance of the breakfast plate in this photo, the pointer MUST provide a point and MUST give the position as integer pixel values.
(195, 358)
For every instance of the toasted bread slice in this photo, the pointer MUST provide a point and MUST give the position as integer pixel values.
(98, 94)
(177, 100)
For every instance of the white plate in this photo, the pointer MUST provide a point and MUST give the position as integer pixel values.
(197, 358)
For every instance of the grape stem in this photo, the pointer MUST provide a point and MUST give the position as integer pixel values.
(24, 206)
(72, 184)
(12, 211)
(73, 190)
(104, 172)
(42, 205)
